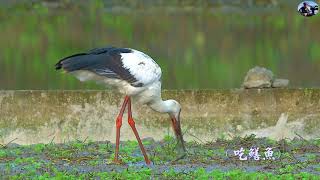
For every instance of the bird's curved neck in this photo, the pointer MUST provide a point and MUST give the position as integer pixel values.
(160, 106)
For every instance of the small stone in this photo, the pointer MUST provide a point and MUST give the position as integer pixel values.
(278, 83)
(258, 77)
(149, 139)
(239, 128)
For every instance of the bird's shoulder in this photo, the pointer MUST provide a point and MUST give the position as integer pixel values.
(141, 66)
(128, 64)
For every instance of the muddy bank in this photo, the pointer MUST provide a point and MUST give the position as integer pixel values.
(40, 116)
(298, 158)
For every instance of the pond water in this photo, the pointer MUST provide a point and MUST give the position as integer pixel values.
(197, 48)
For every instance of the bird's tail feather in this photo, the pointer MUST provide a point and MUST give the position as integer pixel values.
(76, 62)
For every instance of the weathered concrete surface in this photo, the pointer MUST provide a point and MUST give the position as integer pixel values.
(44, 116)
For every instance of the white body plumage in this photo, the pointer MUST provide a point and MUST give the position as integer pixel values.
(142, 67)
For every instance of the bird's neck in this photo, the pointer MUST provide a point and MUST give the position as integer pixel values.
(160, 106)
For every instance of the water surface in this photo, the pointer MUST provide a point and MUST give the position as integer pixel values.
(198, 47)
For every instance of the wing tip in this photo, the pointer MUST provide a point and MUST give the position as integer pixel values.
(58, 66)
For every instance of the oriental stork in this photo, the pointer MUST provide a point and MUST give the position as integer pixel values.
(132, 73)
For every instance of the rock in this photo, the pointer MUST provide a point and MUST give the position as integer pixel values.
(278, 83)
(258, 77)
(148, 139)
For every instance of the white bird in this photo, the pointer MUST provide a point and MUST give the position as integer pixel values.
(132, 73)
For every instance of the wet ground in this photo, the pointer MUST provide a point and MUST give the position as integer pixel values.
(297, 158)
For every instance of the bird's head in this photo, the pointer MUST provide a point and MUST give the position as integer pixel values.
(174, 113)
(174, 109)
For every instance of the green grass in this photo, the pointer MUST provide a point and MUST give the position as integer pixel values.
(3, 153)
(93, 160)
(147, 173)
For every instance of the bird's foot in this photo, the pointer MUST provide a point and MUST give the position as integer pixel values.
(182, 156)
(148, 163)
(118, 162)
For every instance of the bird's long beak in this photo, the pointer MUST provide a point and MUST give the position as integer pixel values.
(177, 131)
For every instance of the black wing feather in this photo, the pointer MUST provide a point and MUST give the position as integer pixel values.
(102, 61)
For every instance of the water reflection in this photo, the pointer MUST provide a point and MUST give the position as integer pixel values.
(195, 50)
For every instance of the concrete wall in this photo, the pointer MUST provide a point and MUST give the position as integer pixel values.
(44, 116)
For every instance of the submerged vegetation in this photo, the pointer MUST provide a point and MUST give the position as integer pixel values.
(83, 160)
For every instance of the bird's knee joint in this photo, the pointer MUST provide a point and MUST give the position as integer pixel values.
(131, 122)
(119, 122)
(118, 125)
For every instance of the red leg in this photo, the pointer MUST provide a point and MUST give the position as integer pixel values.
(118, 125)
(132, 124)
